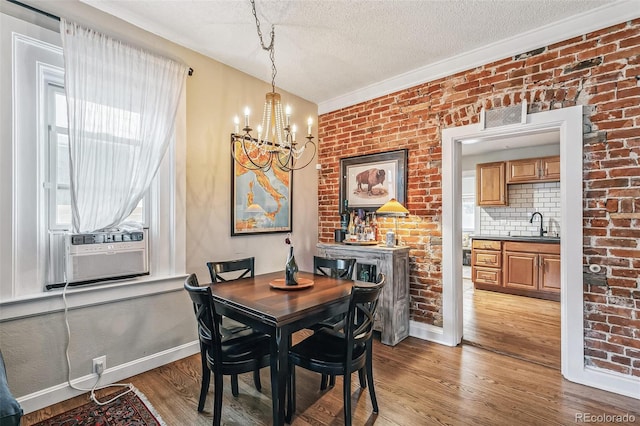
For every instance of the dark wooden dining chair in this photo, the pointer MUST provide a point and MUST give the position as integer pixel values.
(335, 268)
(334, 353)
(228, 270)
(233, 354)
(341, 268)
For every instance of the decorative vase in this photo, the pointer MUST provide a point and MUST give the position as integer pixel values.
(291, 269)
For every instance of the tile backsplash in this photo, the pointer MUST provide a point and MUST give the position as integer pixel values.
(524, 199)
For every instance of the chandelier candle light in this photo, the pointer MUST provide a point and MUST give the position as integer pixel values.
(276, 136)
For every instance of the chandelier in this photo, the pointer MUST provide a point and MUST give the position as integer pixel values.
(276, 142)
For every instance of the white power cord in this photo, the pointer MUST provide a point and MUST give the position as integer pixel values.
(95, 387)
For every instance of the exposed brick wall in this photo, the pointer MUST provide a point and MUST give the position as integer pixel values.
(600, 70)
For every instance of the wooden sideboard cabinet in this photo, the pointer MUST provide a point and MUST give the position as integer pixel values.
(392, 316)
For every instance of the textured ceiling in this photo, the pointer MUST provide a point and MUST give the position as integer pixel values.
(329, 48)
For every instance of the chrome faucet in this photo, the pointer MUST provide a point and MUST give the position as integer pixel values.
(542, 231)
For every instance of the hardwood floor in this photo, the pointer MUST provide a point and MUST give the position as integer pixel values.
(417, 383)
(523, 327)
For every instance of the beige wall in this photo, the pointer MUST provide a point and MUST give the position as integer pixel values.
(216, 94)
(125, 331)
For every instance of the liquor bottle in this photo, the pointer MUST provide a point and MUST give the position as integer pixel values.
(374, 226)
(351, 228)
(291, 269)
(344, 217)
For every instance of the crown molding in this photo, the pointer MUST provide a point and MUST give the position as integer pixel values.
(595, 19)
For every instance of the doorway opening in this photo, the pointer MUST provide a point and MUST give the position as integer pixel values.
(524, 325)
(568, 122)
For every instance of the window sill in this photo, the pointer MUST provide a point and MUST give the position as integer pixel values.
(95, 294)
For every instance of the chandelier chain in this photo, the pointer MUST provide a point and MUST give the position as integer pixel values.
(276, 142)
(271, 48)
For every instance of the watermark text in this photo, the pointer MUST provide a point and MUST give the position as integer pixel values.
(604, 418)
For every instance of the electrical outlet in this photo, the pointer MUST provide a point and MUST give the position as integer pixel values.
(99, 364)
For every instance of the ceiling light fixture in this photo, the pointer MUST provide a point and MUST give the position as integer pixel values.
(276, 139)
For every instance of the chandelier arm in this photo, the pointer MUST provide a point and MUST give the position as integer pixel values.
(284, 165)
(291, 168)
(235, 158)
(267, 164)
(235, 139)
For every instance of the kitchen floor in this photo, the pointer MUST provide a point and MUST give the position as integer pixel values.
(523, 327)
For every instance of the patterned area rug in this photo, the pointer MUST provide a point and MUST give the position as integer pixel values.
(131, 409)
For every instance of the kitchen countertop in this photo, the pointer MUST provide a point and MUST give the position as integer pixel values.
(532, 239)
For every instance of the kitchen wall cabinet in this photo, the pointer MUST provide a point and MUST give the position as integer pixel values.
(392, 315)
(531, 170)
(491, 184)
(533, 268)
(492, 178)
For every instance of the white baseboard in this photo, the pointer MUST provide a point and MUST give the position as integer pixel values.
(63, 391)
(609, 381)
(427, 332)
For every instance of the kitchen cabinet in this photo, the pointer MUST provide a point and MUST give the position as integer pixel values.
(392, 315)
(550, 273)
(510, 265)
(486, 264)
(531, 170)
(491, 184)
(533, 268)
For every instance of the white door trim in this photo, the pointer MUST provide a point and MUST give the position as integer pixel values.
(569, 122)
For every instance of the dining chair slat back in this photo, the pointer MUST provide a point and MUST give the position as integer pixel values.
(222, 271)
(341, 268)
(229, 270)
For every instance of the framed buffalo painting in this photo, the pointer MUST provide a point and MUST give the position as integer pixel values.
(369, 181)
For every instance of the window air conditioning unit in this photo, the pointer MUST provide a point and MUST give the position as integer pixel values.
(102, 256)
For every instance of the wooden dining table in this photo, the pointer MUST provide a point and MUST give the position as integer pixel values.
(280, 313)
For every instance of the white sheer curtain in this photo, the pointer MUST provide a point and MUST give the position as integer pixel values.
(122, 104)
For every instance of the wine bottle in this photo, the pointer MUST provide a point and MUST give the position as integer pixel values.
(291, 269)
(344, 216)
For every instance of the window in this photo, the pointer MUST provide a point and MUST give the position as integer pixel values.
(58, 185)
(468, 203)
(35, 187)
(59, 203)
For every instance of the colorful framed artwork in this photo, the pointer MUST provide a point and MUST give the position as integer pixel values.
(369, 181)
(260, 200)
